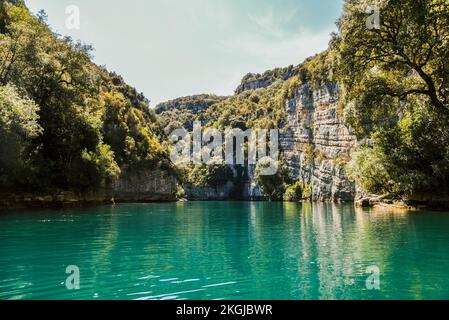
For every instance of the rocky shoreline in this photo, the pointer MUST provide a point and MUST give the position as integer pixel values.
(155, 185)
(58, 200)
(73, 200)
(69, 200)
(385, 202)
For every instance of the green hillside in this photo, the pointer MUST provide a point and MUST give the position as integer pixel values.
(65, 123)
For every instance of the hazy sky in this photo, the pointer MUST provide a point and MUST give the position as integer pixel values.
(173, 48)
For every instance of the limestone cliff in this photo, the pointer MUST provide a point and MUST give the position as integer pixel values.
(315, 145)
(145, 186)
(142, 186)
(303, 103)
(316, 142)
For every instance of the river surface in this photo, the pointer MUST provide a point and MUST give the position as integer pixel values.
(224, 250)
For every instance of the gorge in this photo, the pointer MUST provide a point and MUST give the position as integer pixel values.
(312, 121)
(353, 125)
(354, 208)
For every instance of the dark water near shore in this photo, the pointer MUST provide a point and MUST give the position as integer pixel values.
(224, 250)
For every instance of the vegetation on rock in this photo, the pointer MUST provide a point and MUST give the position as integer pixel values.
(298, 191)
(211, 176)
(69, 123)
(395, 86)
(183, 112)
(272, 186)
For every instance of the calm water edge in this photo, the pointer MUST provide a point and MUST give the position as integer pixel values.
(224, 250)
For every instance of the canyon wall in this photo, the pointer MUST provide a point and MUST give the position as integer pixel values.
(145, 186)
(256, 81)
(316, 145)
(142, 186)
(209, 193)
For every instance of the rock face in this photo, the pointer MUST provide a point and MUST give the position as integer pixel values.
(219, 193)
(62, 199)
(142, 186)
(317, 143)
(256, 81)
(145, 185)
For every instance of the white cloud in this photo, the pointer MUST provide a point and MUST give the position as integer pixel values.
(280, 52)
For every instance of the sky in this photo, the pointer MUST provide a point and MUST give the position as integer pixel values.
(174, 48)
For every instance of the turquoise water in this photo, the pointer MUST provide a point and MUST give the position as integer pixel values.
(224, 250)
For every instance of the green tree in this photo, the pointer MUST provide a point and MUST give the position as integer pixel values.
(298, 191)
(80, 107)
(18, 124)
(395, 88)
(273, 186)
(380, 69)
(130, 127)
(207, 175)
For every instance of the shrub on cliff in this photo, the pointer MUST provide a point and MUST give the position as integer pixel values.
(262, 108)
(183, 112)
(298, 191)
(206, 175)
(272, 186)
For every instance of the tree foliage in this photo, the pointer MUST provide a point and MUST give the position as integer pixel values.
(130, 127)
(395, 85)
(90, 122)
(207, 175)
(274, 186)
(298, 191)
(18, 124)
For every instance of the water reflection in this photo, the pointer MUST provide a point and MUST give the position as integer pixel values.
(224, 250)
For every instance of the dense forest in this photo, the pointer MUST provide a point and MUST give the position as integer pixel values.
(65, 123)
(68, 124)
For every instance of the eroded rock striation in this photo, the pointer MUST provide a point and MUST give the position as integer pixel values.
(316, 144)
